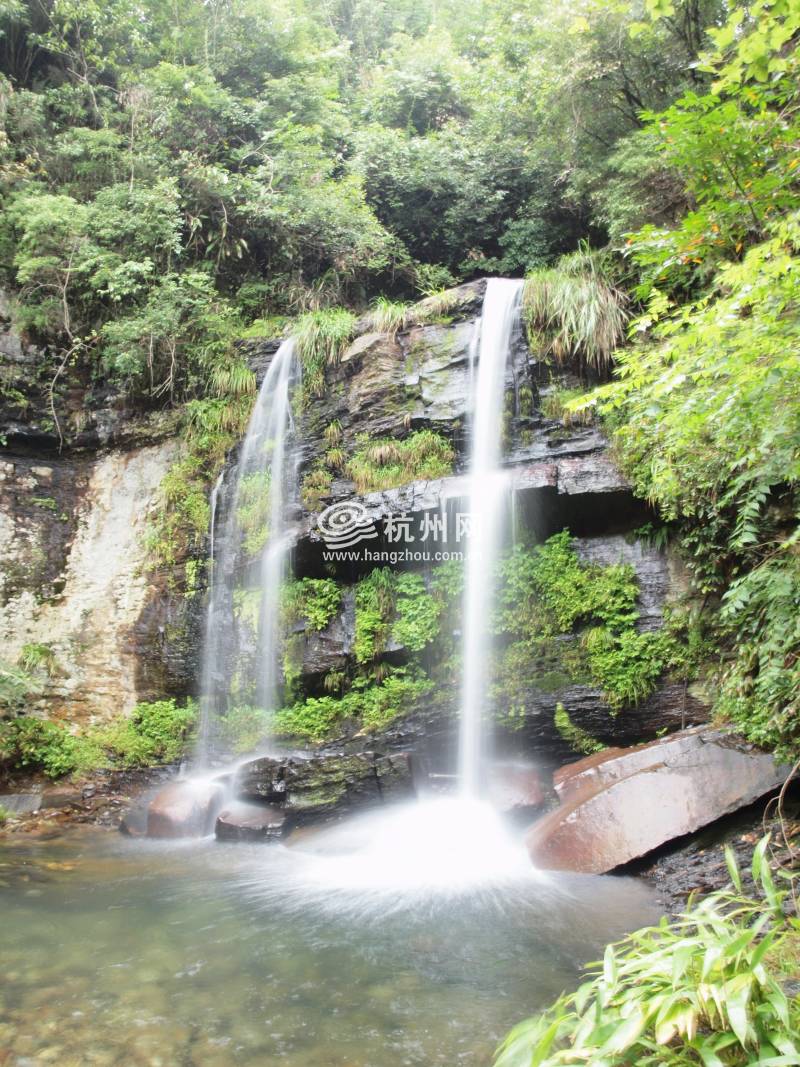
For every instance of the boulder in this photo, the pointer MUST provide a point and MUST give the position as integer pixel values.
(309, 788)
(185, 809)
(249, 822)
(516, 788)
(621, 804)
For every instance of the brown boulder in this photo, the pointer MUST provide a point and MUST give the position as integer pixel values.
(184, 809)
(517, 787)
(621, 804)
(249, 822)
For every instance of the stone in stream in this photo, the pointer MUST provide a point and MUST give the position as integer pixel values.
(621, 804)
(309, 788)
(184, 809)
(249, 822)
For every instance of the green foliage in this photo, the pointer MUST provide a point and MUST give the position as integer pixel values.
(315, 601)
(625, 665)
(558, 404)
(243, 727)
(37, 656)
(695, 991)
(38, 744)
(16, 684)
(574, 735)
(416, 623)
(388, 316)
(549, 591)
(573, 309)
(153, 734)
(369, 705)
(316, 486)
(385, 463)
(321, 337)
(375, 601)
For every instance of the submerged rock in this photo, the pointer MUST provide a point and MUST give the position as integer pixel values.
(184, 809)
(318, 787)
(620, 805)
(249, 822)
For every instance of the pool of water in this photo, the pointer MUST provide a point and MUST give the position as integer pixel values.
(206, 955)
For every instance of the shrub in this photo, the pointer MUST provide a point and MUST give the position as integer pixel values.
(154, 733)
(38, 744)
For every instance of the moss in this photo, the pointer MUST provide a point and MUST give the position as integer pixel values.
(574, 735)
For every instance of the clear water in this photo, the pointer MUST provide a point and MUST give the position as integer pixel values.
(203, 955)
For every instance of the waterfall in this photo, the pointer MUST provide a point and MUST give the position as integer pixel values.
(487, 504)
(250, 557)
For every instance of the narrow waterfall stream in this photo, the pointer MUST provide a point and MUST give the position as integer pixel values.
(252, 553)
(488, 505)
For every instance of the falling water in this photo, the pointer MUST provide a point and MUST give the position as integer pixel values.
(252, 553)
(488, 499)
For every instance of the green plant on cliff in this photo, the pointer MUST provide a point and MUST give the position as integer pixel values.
(547, 592)
(374, 601)
(698, 991)
(576, 309)
(384, 463)
(574, 735)
(321, 338)
(312, 600)
(368, 704)
(388, 316)
(417, 613)
(252, 510)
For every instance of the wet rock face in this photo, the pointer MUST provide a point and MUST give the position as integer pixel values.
(315, 788)
(184, 809)
(617, 806)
